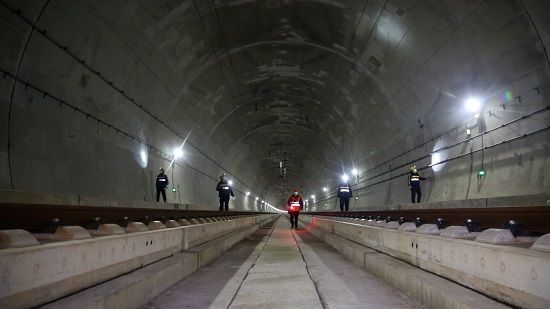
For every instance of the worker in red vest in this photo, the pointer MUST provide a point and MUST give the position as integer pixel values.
(295, 204)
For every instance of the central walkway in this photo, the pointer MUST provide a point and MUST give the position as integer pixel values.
(281, 268)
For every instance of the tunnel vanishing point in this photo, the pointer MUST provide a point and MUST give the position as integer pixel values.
(280, 96)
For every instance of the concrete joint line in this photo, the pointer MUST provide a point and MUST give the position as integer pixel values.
(321, 300)
(251, 266)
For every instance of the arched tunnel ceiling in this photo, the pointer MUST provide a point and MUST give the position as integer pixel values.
(319, 85)
(292, 81)
(318, 81)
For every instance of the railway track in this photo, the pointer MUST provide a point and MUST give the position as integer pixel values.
(46, 218)
(535, 220)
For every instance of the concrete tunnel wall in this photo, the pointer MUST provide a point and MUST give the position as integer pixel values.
(320, 85)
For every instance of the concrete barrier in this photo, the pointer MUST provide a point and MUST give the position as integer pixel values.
(32, 276)
(514, 275)
(134, 290)
(430, 289)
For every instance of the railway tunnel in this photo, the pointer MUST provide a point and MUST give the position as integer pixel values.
(278, 96)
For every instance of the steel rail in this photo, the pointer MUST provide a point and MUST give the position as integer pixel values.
(536, 219)
(45, 218)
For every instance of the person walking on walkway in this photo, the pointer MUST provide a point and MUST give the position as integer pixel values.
(295, 204)
(224, 192)
(414, 184)
(344, 193)
(161, 183)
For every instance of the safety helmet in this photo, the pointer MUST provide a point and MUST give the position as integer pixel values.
(161, 169)
(222, 176)
(413, 168)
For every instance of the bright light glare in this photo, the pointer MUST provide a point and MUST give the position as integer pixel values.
(473, 105)
(230, 182)
(325, 189)
(247, 193)
(355, 172)
(438, 155)
(313, 196)
(178, 152)
(436, 158)
(143, 158)
(257, 198)
(345, 178)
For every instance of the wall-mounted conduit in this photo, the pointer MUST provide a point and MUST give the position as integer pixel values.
(455, 129)
(503, 142)
(100, 122)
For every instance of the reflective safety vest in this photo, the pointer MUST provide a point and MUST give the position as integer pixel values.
(415, 178)
(162, 181)
(344, 189)
(224, 187)
(294, 206)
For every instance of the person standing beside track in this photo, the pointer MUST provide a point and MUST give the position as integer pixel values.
(414, 184)
(295, 204)
(224, 192)
(161, 184)
(344, 193)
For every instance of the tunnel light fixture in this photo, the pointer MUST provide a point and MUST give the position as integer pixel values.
(468, 132)
(177, 152)
(473, 105)
(345, 178)
(313, 196)
(173, 189)
(325, 189)
(230, 182)
(481, 173)
(355, 172)
(247, 194)
(257, 198)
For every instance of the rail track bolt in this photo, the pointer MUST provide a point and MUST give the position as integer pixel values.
(441, 223)
(517, 228)
(123, 221)
(419, 221)
(52, 225)
(473, 226)
(388, 219)
(402, 220)
(93, 224)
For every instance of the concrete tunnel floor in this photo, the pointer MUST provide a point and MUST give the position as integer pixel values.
(277, 267)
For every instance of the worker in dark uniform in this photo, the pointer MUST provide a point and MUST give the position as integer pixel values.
(295, 204)
(344, 194)
(224, 192)
(414, 184)
(162, 183)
